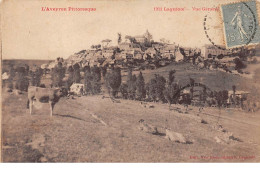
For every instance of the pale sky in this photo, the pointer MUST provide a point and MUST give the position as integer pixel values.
(29, 33)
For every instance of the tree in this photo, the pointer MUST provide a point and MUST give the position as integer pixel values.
(234, 94)
(140, 87)
(132, 88)
(87, 82)
(123, 91)
(234, 90)
(225, 97)
(119, 39)
(104, 71)
(148, 35)
(22, 81)
(192, 82)
(96, 72)
(57, 74)
(92, 80)
(131, 84)
(76, 73)
(113, 80)
(151, 90)
(11, 72)
(239, 64)
(171, 76)
(70, 77)
(156, 88)
(204, 94)
(36, 76)
(96, 80)
(171, 92)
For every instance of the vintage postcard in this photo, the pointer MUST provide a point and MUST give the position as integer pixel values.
(130, 81)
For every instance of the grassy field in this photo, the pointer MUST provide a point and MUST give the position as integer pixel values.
(92, 129)
(95, 129)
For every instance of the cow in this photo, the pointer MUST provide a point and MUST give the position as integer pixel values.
(43, 95)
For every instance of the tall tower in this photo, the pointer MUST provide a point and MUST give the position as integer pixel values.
(148, 36)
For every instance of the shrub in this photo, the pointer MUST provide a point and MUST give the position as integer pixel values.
(239, 64)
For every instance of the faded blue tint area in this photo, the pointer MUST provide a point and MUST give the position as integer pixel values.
(241, 24)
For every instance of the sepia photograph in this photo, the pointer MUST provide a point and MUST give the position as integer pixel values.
(130, 81)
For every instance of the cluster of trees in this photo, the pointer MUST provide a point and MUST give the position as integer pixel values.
(134, 89)
(166, 91)
(157, 89)
(18, 77)
(21, 76)
(92, 77)
(218, 98)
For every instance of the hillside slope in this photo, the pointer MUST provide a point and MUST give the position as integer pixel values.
(92, 129)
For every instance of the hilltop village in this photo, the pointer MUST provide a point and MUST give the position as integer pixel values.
(142, 52)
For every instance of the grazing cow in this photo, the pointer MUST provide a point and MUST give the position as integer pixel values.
(148, 128)
(43, 95)
(174, 136)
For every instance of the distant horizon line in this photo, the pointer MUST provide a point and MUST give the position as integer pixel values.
(27, 59)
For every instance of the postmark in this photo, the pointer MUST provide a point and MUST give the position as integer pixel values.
(240, 24)
(211, 30)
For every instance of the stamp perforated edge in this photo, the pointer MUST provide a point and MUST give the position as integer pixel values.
(223, 26)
